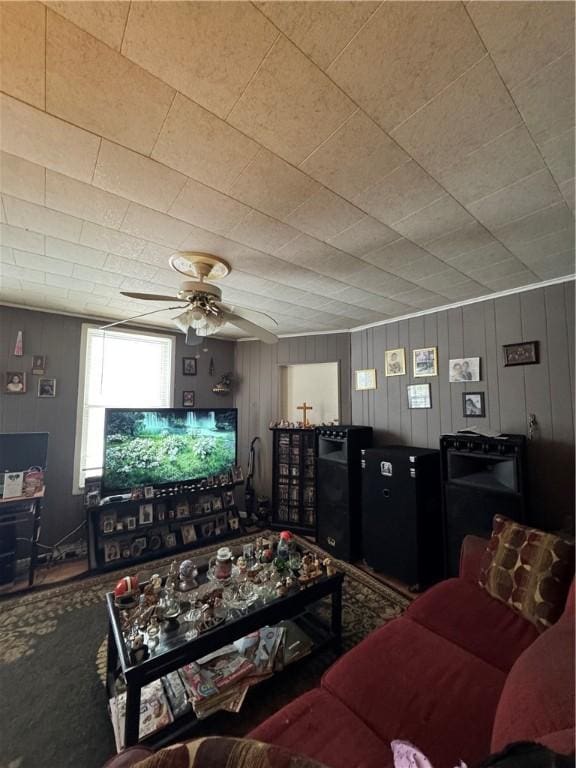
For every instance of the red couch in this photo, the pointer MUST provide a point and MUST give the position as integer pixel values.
(460, 675)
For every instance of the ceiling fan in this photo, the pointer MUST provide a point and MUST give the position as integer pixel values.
(204, 313)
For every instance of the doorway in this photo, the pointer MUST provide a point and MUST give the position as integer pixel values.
(317, 384)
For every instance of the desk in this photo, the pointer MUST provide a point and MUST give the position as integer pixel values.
(15, 511)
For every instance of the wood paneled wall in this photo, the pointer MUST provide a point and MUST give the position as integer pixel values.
(58, 337)
(479, 330)
(257, 389)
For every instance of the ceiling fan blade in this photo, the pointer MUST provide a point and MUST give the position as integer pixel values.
(251, 328)
(150, 296)
(135, 317)
(234, 307)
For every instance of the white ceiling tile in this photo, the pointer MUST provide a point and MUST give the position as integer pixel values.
(404, 191)
(93, 86)
(421, 298)
(546, 101)
(9, 285)
(434, 221)
(355, 157)
(290, 106)
(547, 245)
(399, 252)
(22, 50)
(486, 256)
(321, 30)
(441, 281)
(192, 32)
(152, 253)
(207, 208)
(472, 111)
(460, 241)
(104, 20)
(272, 186)
(201, 145)
(136, 177)
(404, 56)
(157, 227)
(98, 276)
(73, 252)
(129, 267)
(494, 272)
(260, 231)
(46, 140)
(324, 215)
(523, 37)
(84, 201)
(567, 190)
(15, 237)
(559, 155)
(463, 291)
(110, 240)
(6, 255)
(13, 272)
(41, 219)
(73, 283)
(83, 297)
(516, 280)
(417, 269)
(495, 165)
(558, 265)
(364, 236)
(379, 282)
(551, 219)
(21, 178)
(519, 199)
(42, 263)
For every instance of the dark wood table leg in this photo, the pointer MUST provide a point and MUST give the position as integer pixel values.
(132, 724)
(111, 662)
(336, 623)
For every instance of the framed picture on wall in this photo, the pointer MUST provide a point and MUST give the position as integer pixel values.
(524, 353)
(14, 383)
(188, 398)
(189, 366)
(425, 362)
(365, 379)
(39, 364)
(464, 369)
(394, 362)
(46, 387)
(473, 404)
(419, 396)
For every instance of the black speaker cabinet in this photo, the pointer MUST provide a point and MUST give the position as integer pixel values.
(339, 489)
(401, 514)
(481, 476)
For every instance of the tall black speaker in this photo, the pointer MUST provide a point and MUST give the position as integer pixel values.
(338, 489)
(402, 513)
(481, 476)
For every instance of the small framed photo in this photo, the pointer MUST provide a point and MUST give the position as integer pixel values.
(182, 510)
(207, 528)
(137, 493)
(228, 499)
(155, 542)
(149, 492)
(365, 379)
(394, 362)
(473, 404)
(464, 369)
(138, 546)
(216, 503)
(225, 478)
(237, 474)
(39, 364)
(161, 515)
(188, 398)
(419, 396)
(111, 551)
(130, 523)
(170, 540)
(188, 534)
(46, 387)
(14, 383)
(189, 366)
(524, 353)
(108, 523)
(234, 523)
(146, 514)
(207, 508)
(425, 361)
(119, 526)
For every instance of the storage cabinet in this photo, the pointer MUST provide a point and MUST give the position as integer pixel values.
(294, 480)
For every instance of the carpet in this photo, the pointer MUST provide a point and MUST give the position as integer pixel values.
(53, 706)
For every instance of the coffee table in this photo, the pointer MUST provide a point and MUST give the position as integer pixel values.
(174, 650)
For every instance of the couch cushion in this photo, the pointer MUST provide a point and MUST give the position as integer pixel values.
(406, 682)
(321, 727)
(537, 702)
(466, 615)
(528, 570)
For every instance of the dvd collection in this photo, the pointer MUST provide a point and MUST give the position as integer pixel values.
(218, 681)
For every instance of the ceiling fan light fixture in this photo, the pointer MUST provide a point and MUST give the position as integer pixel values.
(182, 322)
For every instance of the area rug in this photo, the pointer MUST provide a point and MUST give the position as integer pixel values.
(53, 706)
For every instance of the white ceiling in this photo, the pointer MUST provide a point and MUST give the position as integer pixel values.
(354, 161)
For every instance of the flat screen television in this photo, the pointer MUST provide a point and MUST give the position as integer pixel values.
(163, 446)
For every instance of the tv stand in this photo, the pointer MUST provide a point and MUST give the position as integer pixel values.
(125, 531)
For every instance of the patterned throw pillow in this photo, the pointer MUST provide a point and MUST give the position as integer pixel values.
(529, 570)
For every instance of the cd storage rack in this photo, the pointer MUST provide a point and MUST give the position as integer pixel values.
(294, 480)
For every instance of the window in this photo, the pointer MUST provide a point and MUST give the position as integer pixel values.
(118, 369)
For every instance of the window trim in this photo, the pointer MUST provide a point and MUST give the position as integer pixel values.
(77, 489)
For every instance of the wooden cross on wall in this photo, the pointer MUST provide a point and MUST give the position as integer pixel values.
(305, 408)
